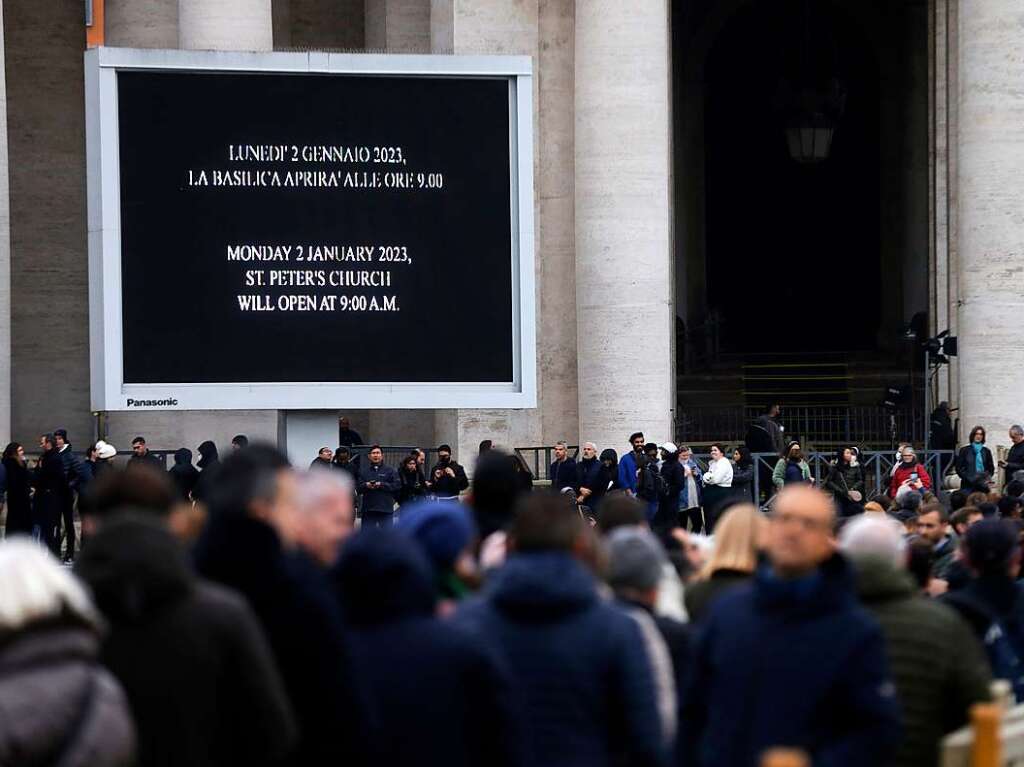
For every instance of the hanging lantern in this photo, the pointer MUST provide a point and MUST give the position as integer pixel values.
(809, 137)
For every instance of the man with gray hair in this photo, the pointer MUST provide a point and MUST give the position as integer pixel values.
(1015, 458)
(327, 516)
(636, 562)
(562, 472)
(588, 475)
(937, 665)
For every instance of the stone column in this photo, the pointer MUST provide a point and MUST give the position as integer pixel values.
(140, 23)
(49, 323)
(398, 26)
(225, 25)
(990, 177)
(624, 272)
(492, 27)
(5, 256)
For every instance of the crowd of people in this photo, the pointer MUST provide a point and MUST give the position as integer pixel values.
(640, 610)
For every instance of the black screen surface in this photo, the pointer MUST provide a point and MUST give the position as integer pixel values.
(397, 187)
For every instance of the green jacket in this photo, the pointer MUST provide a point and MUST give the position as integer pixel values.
(937, 664)
(779, 475)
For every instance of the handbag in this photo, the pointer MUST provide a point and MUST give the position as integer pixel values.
(853, 495)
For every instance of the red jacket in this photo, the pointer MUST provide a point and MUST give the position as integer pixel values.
(903, 472)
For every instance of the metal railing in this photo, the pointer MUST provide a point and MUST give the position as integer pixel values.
(877, 466)
(818, 424)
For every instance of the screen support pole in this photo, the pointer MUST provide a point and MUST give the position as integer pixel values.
(301, 433)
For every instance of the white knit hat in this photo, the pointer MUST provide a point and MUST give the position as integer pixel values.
(105, 450)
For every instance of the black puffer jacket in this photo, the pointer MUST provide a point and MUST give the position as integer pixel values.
(57, 706)
(194, 662)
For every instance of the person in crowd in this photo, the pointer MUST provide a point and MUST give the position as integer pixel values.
(760, 675)
(343, 462)
(449, 694)
(327, 516)
(933, 526)
(961, 519)
(105, 455)
(496, 490)
(580, 665)
(183, 474)
(447, 479)
(252, 544)
(445, 532)
(485, 445)
(1009, 507)
(378, 485)
(650, 487)
(209, 467)
(562, 472)
(588, 476)
(524, 476)
(738, 541)
(636, 564)
(974, 463)
(87, 469)
(717, 483)
(791, 468)
(19, 491)
(191, 656)
(323, 459)
(957, 500)
(629, 463)
(936, 695)
(673, 478)
(142, 455)
(239, 442)
(1015, 457)
(413, 484)
(992, 602)
(72, 479)
(909, 473)
(689, 498)
(621, 510)
(57, 704)
(942, 436)
(766, 433)
(845, 481)
(347, 436)
(50, 486)
(743, 475)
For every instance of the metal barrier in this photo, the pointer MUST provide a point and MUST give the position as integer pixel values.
(823, 425)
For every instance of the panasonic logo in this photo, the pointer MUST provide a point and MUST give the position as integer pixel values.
(152, 402)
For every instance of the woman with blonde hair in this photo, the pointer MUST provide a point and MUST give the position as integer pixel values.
(737, 542)
(57, 704)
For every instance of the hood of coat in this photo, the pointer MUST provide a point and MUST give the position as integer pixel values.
(609, 455)
(382, 576)
(208, 454)
(878, 580)
(183, 457)
(542, 587)
(135, 568)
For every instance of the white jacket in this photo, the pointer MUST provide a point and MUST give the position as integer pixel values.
(719, 473)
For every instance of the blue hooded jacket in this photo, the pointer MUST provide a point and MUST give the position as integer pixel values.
(447, 695)
(794, 664)
(587, 686)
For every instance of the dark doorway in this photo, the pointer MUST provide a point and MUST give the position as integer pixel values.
(793, 250)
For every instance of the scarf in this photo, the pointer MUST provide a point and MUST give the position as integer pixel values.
(979, 463)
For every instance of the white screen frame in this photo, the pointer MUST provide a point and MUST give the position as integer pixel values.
(109, 392)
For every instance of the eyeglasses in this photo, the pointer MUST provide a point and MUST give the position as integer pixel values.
(808, 524)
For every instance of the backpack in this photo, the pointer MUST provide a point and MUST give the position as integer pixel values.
(651, 485)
